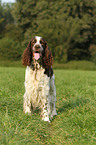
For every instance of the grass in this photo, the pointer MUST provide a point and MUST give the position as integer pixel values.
(12, 63)
(76, 65)
(76, 107)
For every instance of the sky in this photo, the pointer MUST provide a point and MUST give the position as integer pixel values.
(8, 1)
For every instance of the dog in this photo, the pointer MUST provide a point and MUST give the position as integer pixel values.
(40, 90)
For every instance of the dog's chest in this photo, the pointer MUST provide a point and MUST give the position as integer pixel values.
(36, 75)
(36, 79)
(37, 85)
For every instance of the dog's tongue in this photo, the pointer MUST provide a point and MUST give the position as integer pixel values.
(36, 56)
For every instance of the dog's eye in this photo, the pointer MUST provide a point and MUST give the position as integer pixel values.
(41, 42)
(34, 41)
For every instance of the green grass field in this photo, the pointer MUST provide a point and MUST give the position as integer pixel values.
(76, 106)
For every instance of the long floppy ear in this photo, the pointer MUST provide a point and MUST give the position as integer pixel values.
(27, 55)
(48, 58)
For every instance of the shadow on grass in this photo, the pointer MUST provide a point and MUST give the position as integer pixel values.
(71, 104)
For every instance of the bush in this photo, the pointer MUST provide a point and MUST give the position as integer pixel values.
(92, 50)
(77, 65)
(10, 49)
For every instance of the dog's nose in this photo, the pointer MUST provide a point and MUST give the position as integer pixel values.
(37, 46)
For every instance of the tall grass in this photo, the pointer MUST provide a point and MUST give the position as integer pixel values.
(75, 65)
(76, 107)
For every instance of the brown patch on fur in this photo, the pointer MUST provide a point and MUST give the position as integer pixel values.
(49, 72)
(28, 54)
(47, 57)
(47, 60)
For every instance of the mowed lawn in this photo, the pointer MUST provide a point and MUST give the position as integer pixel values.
(76, 106)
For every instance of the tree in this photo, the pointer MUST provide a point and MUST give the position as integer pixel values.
(68, 26)
(9, 49)
(1, 19)
(5, 17)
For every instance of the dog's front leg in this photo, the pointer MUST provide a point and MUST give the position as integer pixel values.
(44, 112)
(26, 104)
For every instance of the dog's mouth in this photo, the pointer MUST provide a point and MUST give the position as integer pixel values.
(37, 55)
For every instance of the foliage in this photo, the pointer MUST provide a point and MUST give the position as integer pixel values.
(5, 17)
(68, 26)
(76, 65)
(10, 49)
(76, 107)
(92, 50)
(10, 63)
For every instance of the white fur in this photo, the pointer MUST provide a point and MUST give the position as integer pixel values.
(38, 38)
(40, 92)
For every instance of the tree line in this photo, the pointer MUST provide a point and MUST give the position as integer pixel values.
(69, 27)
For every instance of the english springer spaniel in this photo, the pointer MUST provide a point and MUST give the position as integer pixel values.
(40, 91)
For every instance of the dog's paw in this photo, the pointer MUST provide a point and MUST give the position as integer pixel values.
(27, 111)
(46, 119)
(54, 113)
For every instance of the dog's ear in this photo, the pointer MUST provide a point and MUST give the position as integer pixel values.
(47, 57)
(27, 55)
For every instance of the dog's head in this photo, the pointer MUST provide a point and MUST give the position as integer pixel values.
(37, 49)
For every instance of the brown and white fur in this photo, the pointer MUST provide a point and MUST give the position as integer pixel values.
(40, 88)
